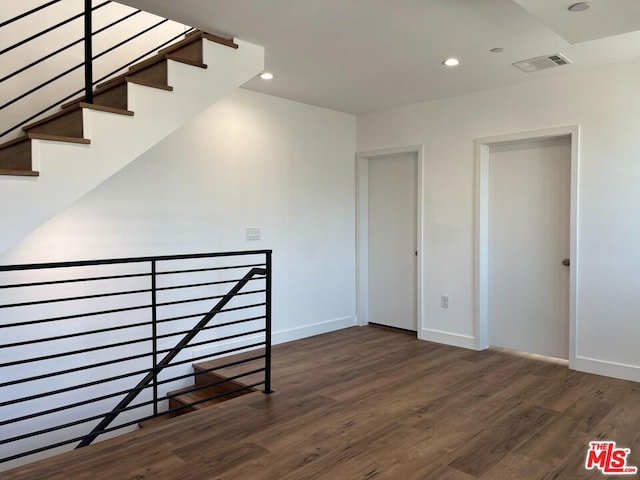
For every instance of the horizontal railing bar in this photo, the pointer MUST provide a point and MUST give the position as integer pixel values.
(75, 280)
(42, 85)
(73, 299)
(212, 269)
(72, 388)
(230, 392)
(70, 424)
(202, 299)
(66, 47)
(124, 42)
(124, 409)
(122, 392)
(120, 327)
(74, 370)
(44, 110)
(74, 352)
(88, 263)
(228, 365)
(194, 315)
(221, 339)
(224, 352)
(206, 284)
(78, 315)
(103, 347)
(143, 56)
(50, 29)
(111, 429)
(197, 388)
(211, 327)
(184, 317)
(74, 335)
(36, 115)
(117, 377)
(70, 406)
(26, 14)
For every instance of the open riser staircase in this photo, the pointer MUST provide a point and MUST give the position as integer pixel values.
(214, 384)
(97, 348)
(62, 157)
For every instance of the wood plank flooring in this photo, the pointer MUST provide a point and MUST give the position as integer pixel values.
(370, 403)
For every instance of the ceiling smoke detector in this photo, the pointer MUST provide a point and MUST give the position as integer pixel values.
(579, 7)
(542, 63)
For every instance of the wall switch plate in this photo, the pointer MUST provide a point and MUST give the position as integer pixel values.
(444, 301)
(253, 233)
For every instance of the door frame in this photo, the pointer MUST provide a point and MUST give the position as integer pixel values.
(483, 146)
(362, 229)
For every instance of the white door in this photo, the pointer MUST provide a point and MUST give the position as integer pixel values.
(392, 241)
(529, 215)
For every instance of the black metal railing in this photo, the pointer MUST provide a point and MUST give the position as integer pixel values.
(92, 347)
(89, 56)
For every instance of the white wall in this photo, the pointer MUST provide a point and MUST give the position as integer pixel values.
(605, 103)
(250, 160)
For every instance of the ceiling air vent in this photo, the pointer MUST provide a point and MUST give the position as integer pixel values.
(542, 63)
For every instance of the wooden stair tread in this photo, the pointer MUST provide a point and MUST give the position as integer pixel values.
(115, 83)
(194, 37)
(19, 173)
(186, 61)
(167, 54)
(232, 371)
(218, 39)
(15, 141)
(102, 108)
(187, 395)
(61, 113)
(140, 81)
(58, 138)
(126, 78)
(139, 67)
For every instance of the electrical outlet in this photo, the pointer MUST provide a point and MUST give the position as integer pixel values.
(444, 301)
(253, 233)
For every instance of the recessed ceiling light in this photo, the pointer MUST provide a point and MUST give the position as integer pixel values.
(497, 50)
(451, 62)
(266, 76)
(579, 7)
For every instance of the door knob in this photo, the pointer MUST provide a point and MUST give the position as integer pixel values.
(566, 262)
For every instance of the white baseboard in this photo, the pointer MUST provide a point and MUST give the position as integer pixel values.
(448, 338)
(608, 369)
(305, 331)
(281, 336)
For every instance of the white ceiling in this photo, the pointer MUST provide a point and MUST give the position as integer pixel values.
(359, 56)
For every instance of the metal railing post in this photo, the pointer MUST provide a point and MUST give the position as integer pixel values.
(154, 335)
(267, 359)
(88, 52)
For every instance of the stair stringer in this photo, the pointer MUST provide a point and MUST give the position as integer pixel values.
(69, 171)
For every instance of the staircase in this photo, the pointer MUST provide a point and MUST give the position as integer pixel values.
(62, 157)
(214, 385)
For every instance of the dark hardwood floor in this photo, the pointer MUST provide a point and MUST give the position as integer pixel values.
(370, 403)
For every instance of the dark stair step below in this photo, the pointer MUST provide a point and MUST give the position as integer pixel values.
(241, 370)
(15, 155)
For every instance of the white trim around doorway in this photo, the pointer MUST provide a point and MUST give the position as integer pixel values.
(483, 146)
(362, 229)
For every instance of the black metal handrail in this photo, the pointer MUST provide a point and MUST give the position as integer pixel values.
(160, 294)
(89, 57)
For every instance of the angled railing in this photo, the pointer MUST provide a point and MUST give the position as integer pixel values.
(65, 358)
(89, 56)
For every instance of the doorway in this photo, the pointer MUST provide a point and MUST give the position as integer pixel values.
(389, 233)
(526, 242)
